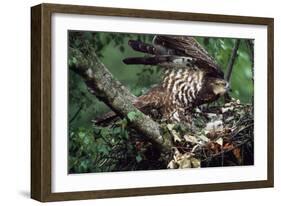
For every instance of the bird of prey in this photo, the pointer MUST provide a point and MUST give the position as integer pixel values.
(191, 78)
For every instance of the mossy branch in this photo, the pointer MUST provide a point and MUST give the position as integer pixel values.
(100, 82)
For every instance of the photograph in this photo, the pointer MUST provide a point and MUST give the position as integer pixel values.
(133, 102)
(157, 101)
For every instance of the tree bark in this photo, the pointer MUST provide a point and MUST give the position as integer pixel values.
(106, 88)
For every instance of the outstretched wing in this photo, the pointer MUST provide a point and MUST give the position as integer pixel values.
(185, 46)
(175, 51)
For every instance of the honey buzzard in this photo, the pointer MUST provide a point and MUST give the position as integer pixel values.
(192, 77)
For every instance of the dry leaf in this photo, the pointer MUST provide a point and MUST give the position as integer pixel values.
(203, 138)
(228, 146)
(184, 163)
(219, 141)
(195, 162)
(174, 133)
(172, 165)
(237, 153)
(214, 147)
(190, 138)
(214, 126)
(181, 160)
(226, 109)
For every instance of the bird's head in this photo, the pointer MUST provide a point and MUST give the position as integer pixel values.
(219, 86)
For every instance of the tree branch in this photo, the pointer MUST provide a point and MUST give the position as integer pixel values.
(229, 68)
(102, 84)
(250, 44)
(76, 113)
(232, 60)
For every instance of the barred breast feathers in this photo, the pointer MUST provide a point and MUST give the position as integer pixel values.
(184, 85)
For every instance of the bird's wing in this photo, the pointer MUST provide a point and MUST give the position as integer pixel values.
(174, 51)
(188, 46)
(149, 103)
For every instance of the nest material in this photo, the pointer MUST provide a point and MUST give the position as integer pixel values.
(218, 136)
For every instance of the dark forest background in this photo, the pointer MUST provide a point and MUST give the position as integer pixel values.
(104, 149)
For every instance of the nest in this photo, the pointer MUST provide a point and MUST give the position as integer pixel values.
(218, 136)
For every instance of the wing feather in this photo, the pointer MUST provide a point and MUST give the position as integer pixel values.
(188, 46)
(179, 51)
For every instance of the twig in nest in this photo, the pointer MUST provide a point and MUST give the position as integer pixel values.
(225, 151)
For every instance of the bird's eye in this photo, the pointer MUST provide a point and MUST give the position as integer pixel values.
(222, 83)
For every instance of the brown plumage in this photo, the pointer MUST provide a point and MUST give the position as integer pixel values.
(192, 77)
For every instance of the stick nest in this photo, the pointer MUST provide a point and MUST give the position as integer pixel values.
(218, 136)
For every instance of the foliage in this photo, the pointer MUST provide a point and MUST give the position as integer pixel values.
(241, 81)
(104, 149)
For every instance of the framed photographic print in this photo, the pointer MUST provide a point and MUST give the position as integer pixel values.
(132, 102)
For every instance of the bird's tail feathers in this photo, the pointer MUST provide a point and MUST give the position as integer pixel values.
(145, 60)
(108, 117)
(142, 47)
(105, 119)
(161, 59)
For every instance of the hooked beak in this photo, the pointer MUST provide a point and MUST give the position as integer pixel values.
(227, 87)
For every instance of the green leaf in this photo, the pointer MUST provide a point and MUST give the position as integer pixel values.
(74, 60)
(81, 135)
(138, 158)
(132, 116)
(104, 132)
(103, 149)
(126, 135)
